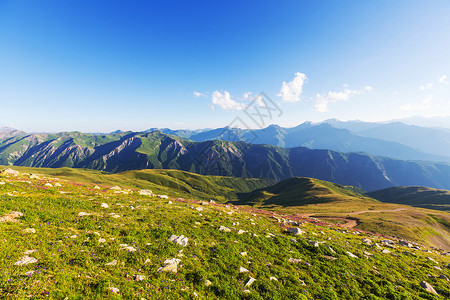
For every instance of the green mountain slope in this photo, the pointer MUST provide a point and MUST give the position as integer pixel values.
(133, 151)
(87, 243)
(415, 196)
(347, 206)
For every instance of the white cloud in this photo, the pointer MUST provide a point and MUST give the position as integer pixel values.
(246, 96)
(427, 86)
(224, 101)
(443, 79)
(322, 101)
(426, 104)
(291, 91)
(198, 94)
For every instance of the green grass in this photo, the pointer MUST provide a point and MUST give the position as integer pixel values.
(75, 267)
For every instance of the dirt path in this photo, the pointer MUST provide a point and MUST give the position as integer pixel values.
(350, 222)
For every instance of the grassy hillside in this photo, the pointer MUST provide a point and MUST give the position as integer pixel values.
(345, 205)
(177, 183)
(87, 243)
(415, 196)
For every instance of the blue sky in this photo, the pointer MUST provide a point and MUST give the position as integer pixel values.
(131, 65)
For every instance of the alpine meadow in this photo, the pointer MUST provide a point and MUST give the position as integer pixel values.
(225, 150)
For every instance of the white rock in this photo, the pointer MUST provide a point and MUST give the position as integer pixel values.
(170, 265)
(112, 263)
(199, 208)
(146, 193)
(114, 290)
(26, 260)
(104, 205)
(351, 254)
(250, 281)
(243, 270)
(179, 240)
(29, 230)
(273, 278)
(139, 277)
(29, 273)
(295, 230)
(243, 253)
(82, 214)
(58, 184)
(386, 251)
(330, 249)
(115, 188)
(241, 231)
(2, 183)
(96, 187)
(224, 229)
(295, 260)
(428, 287)
(127, 248)
(101, 240)
(28, 252)
(48, 185)
(163, 197)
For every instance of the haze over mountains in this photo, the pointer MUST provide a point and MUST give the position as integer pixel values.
(204, 152)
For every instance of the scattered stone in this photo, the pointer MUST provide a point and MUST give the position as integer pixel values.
(73, 236)
(9, 171)
(57, 184)
(295, 260)
(437, 268)
(314, 244)
(26, 260)
(179, 240)
(34, 176)
(330, 249)
(2, 183)
(431, 259)
(207, 282)
(101, 240)
(28, 252)
(11, 217)
(250, 281)
(127, 248)
(329, 257)
(113, 215)
(351, 254)
(112, 263)
(198, 208)
(302, 282)
(376, 245)
(224, 229)
(443, 277)
(104, 205)
(273, 279)
(243, 253)
(243, 270)
(83, 214)
(293, 241)
(48, 185)
(367, 253)
(386, 251)
(146, 193)
(29, 230)
(212, 201)
(204, 203)
(96, 187)
(405, 243)
(115, 188)
(428, 287)
(114, 290)
(139, 277)
(366, 241)
(170, 265)
(295, 230)
(29, 273)
(163, 197)
(147, 261)
(241, 231)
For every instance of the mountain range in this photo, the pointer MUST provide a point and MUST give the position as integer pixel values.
(155, 150)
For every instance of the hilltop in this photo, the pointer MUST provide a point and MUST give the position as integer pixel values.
(418, 196)
(62, 238)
